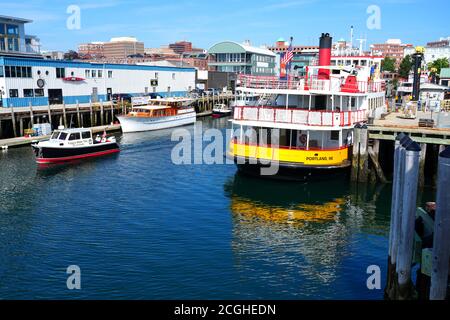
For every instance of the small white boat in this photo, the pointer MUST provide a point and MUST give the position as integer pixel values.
(154, 114)
(221, 110)
(74, 144)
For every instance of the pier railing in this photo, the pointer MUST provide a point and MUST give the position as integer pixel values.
(334, 84)
(299, 116)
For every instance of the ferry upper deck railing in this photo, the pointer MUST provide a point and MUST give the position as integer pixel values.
(334, 84)
(300, 116)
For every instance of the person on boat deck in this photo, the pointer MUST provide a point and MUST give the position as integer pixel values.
(348, 140)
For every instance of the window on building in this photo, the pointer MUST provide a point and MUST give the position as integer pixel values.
(1, 72)
(87, 73)
(93, 73)
(18, 72)
(13, 93)
(28, 93)
(12, 29)
(13, 44)
(110, 73)
(173, 76)
(13, 72)
(25, 72)
(38, 92)
(7, 71)
(100, 73)
(60, 73)
(2, 28)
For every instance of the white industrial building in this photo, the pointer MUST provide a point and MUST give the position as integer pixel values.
(25, 81)
(28, 79)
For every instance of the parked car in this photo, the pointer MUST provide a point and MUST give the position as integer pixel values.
(153, 95)
(197, 92)
(212, 91)
(118, 97)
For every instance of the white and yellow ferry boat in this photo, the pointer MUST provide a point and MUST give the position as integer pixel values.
(313, 116)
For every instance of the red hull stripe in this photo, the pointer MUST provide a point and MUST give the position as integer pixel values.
(88, 155)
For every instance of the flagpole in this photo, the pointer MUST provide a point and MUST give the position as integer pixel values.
(288, 67)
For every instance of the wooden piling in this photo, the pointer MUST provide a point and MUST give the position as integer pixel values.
(423, 152)
(374, 153)
(92, 114)
(64, 115)
(405, 245)
(21, 126)
(13, 119)
(101, 113)
(112, 113)
(363, 155)
(31, 115)
(441, 245)
(355, 156)
(395, 221)
(78, 115)
(49, 114)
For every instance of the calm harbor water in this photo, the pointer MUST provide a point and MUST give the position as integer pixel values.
(140, 227)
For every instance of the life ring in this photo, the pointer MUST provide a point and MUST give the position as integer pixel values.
(303, 138)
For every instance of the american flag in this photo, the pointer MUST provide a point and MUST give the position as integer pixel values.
(287, 57)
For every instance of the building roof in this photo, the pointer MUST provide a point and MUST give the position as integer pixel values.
(15, 19)
(124, 39)
(445, 73)
(234, 47)
(35, 62)
(432, 86)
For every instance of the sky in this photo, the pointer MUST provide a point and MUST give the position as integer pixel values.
(206, 22)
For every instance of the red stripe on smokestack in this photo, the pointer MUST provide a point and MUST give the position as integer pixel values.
(324, 55)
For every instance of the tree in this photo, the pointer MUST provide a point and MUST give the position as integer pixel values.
(388, 64)
(71, 55)
(405, 67)
(436, 65)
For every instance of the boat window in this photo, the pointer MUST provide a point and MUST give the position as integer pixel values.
(334, 135)
(74, 136)
(63, 136)
(55, 135)
(86, 135)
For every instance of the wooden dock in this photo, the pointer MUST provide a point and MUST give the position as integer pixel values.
(366, 164)
(14, 122)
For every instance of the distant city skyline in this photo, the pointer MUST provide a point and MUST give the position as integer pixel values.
(203, 23)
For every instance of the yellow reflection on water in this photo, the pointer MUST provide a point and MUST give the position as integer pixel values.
(297, 214)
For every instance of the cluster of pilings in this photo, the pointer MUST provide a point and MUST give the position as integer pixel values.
(404, 225)
(365, 164)
(205, 103)
(372, 155)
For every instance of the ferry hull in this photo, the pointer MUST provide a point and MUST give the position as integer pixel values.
(140, 124)
(289, 164)
(58, 155)
(292, 172)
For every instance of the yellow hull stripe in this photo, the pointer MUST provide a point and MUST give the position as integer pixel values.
(306, 157)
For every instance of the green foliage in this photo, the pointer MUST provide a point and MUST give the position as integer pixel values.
(388, 64)
(405, 67)
(71, 55)
(437, 65)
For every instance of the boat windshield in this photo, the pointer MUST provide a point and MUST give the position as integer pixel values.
(55, 135)
(63, 136)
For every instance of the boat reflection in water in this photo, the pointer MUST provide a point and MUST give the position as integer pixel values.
(301, 237)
